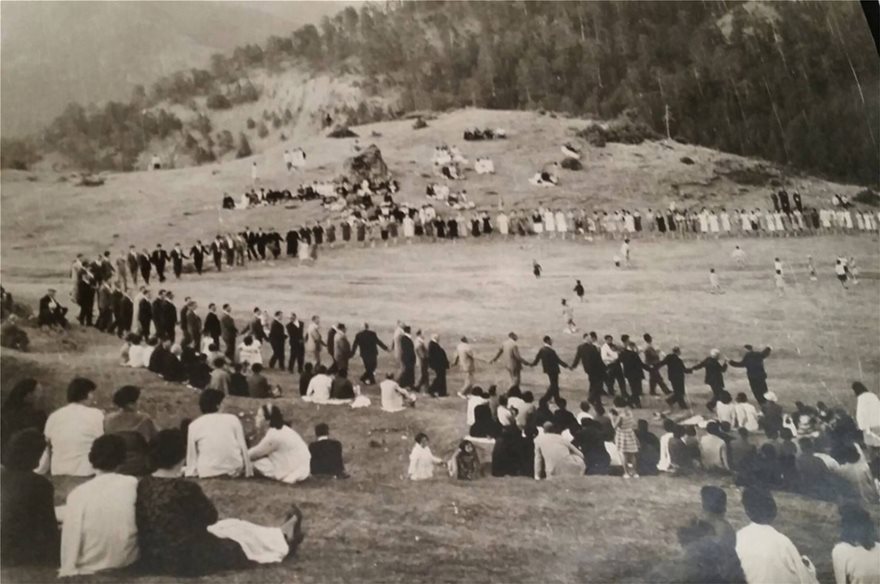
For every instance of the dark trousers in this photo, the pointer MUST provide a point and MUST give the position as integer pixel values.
(553, 387)
(218, 262)
(595, 393)
(198, 264)
(407, 376)
(297, 355)
(277, 355)
(230, 349)
(677, 396)
(145, 327)
(105, 320)
(635, 391)
(369, 369)
(438, 386)
(145, 274)
(759, 388)
(161, 273)
(655, 381)
(716, 390)
(613, 373)
(178, 269)
(424, 380)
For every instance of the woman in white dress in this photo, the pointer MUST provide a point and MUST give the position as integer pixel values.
(561, 224)
(100, 530)
(502, 222)
(704, 221)
(282, 454)
(549, 222)
(422, 460)
(409, 227)
(713, 222)
(770, 221)
(725, 220)
(629, 222)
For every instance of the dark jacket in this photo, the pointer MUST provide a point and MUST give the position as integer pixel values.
(590, 358)
(294, 333)
(407, 352)
(212, 325)
(437, 359)
(368, 343)
(633, 368)
(276, 333)
(675, 368)
(327, 458)
(714, 371)
(753, 362)
(550, 361)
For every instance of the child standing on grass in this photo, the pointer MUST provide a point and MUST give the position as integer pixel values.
(780, 283)
(714, 283)
(568, 318)
(840, 272)
(625, 436)
(536, 268)
(422, 460)
(811, 269)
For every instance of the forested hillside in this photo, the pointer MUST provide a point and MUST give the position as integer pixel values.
(796, 83)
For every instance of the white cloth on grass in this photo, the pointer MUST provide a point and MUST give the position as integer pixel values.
(261, 544)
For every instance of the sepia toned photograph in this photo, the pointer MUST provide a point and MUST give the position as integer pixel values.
(422, 291)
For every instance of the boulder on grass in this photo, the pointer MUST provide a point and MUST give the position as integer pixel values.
(342, 132)
(367, 165)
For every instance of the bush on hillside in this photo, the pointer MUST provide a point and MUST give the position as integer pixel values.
(571, 164)
(244, 147)
(251, 124)
(342, 132)
(262, 130)
(218, 101)
(626, 129)
(867, 197)
(225, 142)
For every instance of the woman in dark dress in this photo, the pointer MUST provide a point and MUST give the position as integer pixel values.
(27, 508)
(510, 455)
(21, 410)
(173, 516)
(484, 425)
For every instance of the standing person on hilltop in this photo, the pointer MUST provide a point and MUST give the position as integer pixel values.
(212, 323)
(177, 257)
(536, 268)
(197, 253)
(652, 358)
(314, 342)
(133, 264)
(277, 337)
(753, 362)
(159, 257)
(579, 290)
(675, 371)
(625, 252)
(715, 367)
(228, 331)
(439, 363)
(407, 376)
(589, 356)
(739, 256)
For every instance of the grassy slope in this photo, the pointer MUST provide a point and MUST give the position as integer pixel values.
(378, 527)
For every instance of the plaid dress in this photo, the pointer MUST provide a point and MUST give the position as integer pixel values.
(625, 436)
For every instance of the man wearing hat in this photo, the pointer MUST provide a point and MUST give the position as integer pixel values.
(753, 363)
(51, 312)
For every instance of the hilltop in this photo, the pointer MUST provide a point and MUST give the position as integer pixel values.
(144, 207)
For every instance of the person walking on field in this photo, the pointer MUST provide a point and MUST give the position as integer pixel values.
(753, 362)
(551, 364)
(579, 290)
(512, 359)
(676, 371)
(368, 343)
(464, 358)
(590, 358)
(568, 318)
(652, 358)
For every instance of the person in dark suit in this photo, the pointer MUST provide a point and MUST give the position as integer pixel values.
(158, 312)
(86, 296)
(551, 364)
(715, 368)
(194, 325)
(123, 311)
(675, 371)
(133, 264)
(294, 329)
(197, 253)
(277, 336)
(341, 348)
(159, 257)
(212, 324)
(105, 307)
(51, 312)
(633, 370)
(256, 326)
(368, 343)
(407, 376)
(590, 358)
(228, 331)
(258, 385)
(218, 246)
(169, 320)
(145, 266)
(753, 363)
(326, 454)
(438, 361)
(292, 243)
(177, 257)
(652, 357)
(145, 314)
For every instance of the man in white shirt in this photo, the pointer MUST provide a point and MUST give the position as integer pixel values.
(613, 370)
(474, 399)
(556, 456)
(319, 387)
(464, 358)
(71, 430)
(215, 442)
(767, 556)
(867, 414)
(394, 397)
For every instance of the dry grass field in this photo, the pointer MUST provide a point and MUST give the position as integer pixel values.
(377, 527)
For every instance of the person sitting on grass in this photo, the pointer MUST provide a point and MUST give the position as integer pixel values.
(27, 508)
(99, 531)
(465, 463)
(135, 428)
(199, 372)
(13, 336)
(766, 554)
(319, 386)
(856, 558)
(22, 408)
(258, 385)
(422, 460)
(282, 454)
(556, 456)
(215, 442)
(220, 378)
(326, 454)
(238, 384)
(71, 430)
(341, 389)
(394, 397)
(178, 529)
